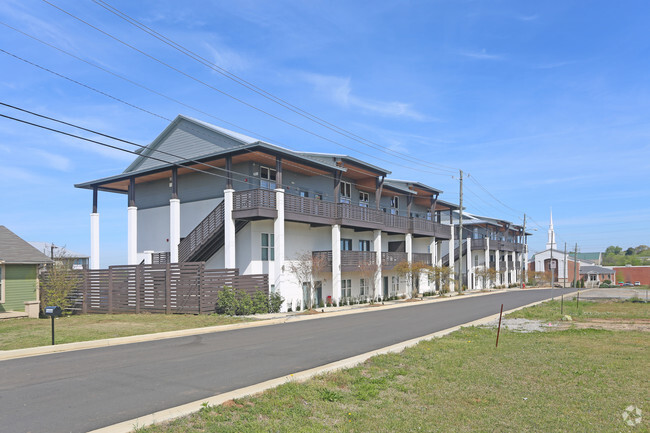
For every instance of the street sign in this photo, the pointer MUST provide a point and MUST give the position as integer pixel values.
(552, 265)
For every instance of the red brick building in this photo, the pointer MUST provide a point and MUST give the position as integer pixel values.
(632, 274)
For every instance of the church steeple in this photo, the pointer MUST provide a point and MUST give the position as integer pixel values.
(551, 235)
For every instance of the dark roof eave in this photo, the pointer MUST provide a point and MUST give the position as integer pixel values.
(123, 176)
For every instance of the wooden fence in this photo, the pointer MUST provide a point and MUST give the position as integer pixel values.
(169, 288)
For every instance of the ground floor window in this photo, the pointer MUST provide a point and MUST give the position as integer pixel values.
(346, 288)
(268, 247)
(363, 287)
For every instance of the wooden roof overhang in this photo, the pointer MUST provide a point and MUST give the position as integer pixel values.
(256, 153)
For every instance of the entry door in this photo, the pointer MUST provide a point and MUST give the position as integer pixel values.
(385, 288)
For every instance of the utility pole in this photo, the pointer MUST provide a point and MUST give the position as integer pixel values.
(524, 254)
(564, 267)
(575, 265)
(460, 236)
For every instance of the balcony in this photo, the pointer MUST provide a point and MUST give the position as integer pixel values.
(389, 260)
(422, 258)
(351, 261)
(260, 203)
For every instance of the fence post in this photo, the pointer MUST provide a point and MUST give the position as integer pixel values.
(84, 293)
(110, 290)
(168, 294)
(138, 281)
(200, 294)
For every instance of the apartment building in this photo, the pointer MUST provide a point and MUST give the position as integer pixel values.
(199, 192)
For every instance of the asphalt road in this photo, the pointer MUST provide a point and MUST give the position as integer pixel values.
(88, 389)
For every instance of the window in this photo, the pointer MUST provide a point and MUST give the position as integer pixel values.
(428, 217)
(346, 244)
(346, 192)
(364, 246)
(303, 194)
(364, 199)
(394, 205)
(346, 288)
(318, 196)
(363, 287)
(476, 260)
(268, 247)
(267, 177)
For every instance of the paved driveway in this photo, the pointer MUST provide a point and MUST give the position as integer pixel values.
(88, 389)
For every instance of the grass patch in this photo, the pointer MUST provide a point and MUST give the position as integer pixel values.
(22, 333)
(551, 310)
(576, 380)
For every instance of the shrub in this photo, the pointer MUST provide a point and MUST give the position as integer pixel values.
(235, 302)
(275, 302)
(321, 304)
(260, 303)
(607, 282)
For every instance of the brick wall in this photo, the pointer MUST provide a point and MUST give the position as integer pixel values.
(634, 273)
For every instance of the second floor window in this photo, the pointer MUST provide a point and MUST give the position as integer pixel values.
(364, 245)
(394, 205)
(268, 247)
(346, 192)
(346, 244)
(267, 178)
(364, 199)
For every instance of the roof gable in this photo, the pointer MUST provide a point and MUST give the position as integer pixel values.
(187, 138)
(14, 249)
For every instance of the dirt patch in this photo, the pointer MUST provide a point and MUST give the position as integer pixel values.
(231, 403)
(610, 324)
(309, 312)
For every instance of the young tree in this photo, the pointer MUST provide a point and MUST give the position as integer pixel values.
(58, 282)
(412, 271)
(488, 275)
(369, 270)
(305, 267)
(443, 275)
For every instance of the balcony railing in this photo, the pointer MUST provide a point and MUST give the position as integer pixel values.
(254, 198)
(422, 257)
(351, 261)
(389, 260)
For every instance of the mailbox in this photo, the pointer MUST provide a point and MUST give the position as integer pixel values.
(54, 311)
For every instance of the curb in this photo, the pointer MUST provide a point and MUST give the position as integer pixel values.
(302, 376)
(94, 344)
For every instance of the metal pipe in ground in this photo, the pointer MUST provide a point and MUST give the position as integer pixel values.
(499, 328)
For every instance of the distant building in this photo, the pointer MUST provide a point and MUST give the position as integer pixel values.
(62, 255)
(594, 275)
(566, 270)
(632, 274)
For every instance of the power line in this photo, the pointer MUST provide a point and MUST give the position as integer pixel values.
(239, 80)
(241, 101)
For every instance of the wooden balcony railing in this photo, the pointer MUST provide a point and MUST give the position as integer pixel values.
(202, 234)
(422, 257)
(310, 207)
(389, 260)
(351, 261)
(254, 198)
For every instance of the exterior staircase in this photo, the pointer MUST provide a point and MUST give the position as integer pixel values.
(207, 237)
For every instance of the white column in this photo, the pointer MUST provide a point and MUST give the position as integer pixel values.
(470, 268)
(409, 247)
(377, 247)
(525, 260)
(229, 230)
(513, 272)
(94, 240)
(174, 228)
(487, 261)
(433, 250)
(452, 264)
(336, 263)
(497, 267)
(278, 237)
(132, 235)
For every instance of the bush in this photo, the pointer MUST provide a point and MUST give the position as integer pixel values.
(607, 282)
(235, 302)
(321, 304)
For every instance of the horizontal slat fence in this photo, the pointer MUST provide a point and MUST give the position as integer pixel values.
(165, 288)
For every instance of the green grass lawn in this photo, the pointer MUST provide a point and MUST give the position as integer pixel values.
(559, 381)
(552, 310)
(22, 333)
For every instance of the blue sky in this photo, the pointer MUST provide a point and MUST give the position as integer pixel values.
(543, 104)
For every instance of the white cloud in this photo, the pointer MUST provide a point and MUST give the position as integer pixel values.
(52, 160)
(339, 91)
(226, 58)
(481, 55)
(528, 17)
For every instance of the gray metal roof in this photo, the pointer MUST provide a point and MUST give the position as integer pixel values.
(321, 156)
(14, 250)
(600, 270)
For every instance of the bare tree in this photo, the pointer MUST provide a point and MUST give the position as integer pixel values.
(305, 267)
(412, 271)
(488, 275)
(369, 270)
